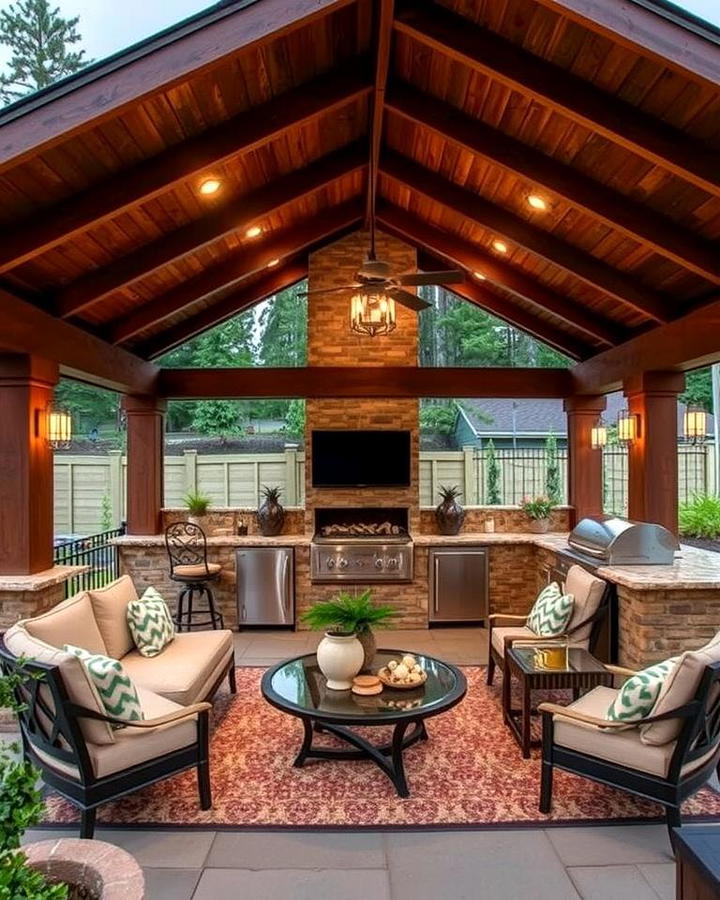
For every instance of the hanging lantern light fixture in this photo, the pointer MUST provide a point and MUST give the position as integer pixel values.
(372, 313)
(598, 435)
(628, 427)
(695, 424)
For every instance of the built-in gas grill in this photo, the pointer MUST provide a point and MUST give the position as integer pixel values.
(611, 541)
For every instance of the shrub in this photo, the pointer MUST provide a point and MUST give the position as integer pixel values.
(700, 517)
(492, 468)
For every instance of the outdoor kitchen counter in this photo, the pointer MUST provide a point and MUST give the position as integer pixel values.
(220, 540)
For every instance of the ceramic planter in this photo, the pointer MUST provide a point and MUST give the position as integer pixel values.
(449, 516)
(197, 520)
(539, 526)
(271, 518)
(340, 657)
(369, 645)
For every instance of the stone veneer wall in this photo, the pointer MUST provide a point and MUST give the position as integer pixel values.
(16, 605)
(505, 519)
(221, 522)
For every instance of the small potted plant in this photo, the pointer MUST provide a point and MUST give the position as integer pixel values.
(538, 510)
(349, 615)
(449, 514)
(197, 505)
(270, 514)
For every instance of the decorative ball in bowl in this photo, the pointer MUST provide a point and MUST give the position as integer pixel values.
(404, 674)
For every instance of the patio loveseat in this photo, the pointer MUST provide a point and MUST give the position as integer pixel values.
(65, 729)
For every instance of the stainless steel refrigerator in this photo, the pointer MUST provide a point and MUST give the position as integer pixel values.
(265, 586)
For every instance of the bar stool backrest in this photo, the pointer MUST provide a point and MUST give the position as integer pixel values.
(186, 545)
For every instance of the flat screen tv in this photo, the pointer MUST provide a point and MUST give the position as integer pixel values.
(361, 458)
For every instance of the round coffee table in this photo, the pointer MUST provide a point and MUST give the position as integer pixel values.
(298, 688)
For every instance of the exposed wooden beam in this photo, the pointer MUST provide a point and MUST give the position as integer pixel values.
(685, 344)
(617, 210)
(105, 90)
(27, 329)
(243, 298)
(560, 90)
(384, 11)
(235, 216)
(511, 313)
(468, 256)
(364, 381)
(242, 134)
(248, 261)
(502, 223)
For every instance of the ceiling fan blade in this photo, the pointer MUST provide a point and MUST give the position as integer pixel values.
(337, 290)
(405, 298)
(451, 276)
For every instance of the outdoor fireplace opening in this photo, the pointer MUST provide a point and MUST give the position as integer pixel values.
(361, 522)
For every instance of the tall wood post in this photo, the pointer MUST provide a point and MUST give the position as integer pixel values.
(145, 447)
(585, 465)
(26, 464)
(652, 456)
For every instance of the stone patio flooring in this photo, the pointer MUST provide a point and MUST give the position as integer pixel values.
(592, 862)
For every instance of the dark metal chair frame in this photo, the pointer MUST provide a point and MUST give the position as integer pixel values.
(700, 732)
(52, 724)
(186, 545)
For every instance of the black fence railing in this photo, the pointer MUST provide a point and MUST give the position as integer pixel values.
(95, 551)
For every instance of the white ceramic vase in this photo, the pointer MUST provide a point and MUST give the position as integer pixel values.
(340, 657)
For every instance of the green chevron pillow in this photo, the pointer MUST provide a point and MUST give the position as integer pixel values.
(551, 612)
(150, 623)
(636, 698)
(114, 685)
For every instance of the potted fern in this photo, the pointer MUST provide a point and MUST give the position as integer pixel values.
(197, 505)
(350, 615)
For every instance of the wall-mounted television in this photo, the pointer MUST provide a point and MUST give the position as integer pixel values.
(361, 458)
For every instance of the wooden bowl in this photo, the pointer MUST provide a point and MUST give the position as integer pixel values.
(384, 676)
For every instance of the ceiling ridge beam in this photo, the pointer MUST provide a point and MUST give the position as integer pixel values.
(384, 11)
(246, 262)
(558, 89)
(484, 214)
(619, 211)
(236, 215)
(142, 182)
(495, 271)
(243, 298)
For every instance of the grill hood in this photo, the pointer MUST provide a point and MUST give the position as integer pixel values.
(608, 540)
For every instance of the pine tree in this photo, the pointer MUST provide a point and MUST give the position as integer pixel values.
(552, 470)
(38, 38)
(492, 469)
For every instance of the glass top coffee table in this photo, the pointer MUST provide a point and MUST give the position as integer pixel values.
(297, 687)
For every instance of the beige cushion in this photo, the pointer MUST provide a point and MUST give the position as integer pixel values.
(588, 592)
(624, 747)
(70, 622)
(197, 571)
(518, 631)
(679, 689)
(136, 745)
(184, 668)
(110, 609)
(78, 685)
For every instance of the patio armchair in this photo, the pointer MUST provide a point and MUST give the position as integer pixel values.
(55, 730)
(664, 757)
(592, 600)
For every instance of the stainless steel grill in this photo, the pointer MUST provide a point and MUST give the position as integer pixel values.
(361, 560)
(610, 541)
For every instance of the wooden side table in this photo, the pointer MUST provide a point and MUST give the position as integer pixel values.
(697, 848)
(583, 672)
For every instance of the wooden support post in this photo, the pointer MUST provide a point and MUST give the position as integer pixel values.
(652, 456)
(145, 447)
(585, 465)
(26, 464)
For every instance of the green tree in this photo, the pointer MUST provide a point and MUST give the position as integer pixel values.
(698, 389)
(438, 416)
(492, 469)
(39, 40)
(295, 419)
(91, 407)
(552, 470)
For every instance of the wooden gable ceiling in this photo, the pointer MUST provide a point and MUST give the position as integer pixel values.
(443, 116)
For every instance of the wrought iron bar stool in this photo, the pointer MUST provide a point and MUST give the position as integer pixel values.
(187, 549)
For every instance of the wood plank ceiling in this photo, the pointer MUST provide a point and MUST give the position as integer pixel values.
(445, 117)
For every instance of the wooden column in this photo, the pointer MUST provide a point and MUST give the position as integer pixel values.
(26, 464)
(652, 457)
(585, 472)
(145, 448)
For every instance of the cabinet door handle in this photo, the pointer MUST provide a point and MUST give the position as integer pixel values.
(436, 586)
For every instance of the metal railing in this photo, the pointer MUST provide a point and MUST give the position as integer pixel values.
(94, 551)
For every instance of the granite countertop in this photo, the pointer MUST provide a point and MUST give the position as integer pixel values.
(40, 580)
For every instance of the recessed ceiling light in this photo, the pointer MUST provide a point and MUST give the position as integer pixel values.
(500, 246)
(537, 202)
(479, 276)
(210, 186)
(255, 231)
(272, 263)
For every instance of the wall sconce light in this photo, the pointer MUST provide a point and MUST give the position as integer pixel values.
(695, 424)
(59, 428)
(628, 427)
(598, 435)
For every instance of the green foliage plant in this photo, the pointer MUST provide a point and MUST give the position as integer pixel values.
(197, 504)
(349, 614)
(700, 517)
(438, 417)
(537, 507)
(492, 468)
(552, 469)
(106, 516)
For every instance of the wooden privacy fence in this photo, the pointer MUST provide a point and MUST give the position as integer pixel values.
(90, 490)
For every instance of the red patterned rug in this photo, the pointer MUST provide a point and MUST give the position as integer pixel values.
(469, 774)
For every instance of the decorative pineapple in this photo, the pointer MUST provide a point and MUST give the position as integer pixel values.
(271, 515)
(449, 514)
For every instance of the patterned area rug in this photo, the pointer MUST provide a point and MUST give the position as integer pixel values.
(469, 774)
